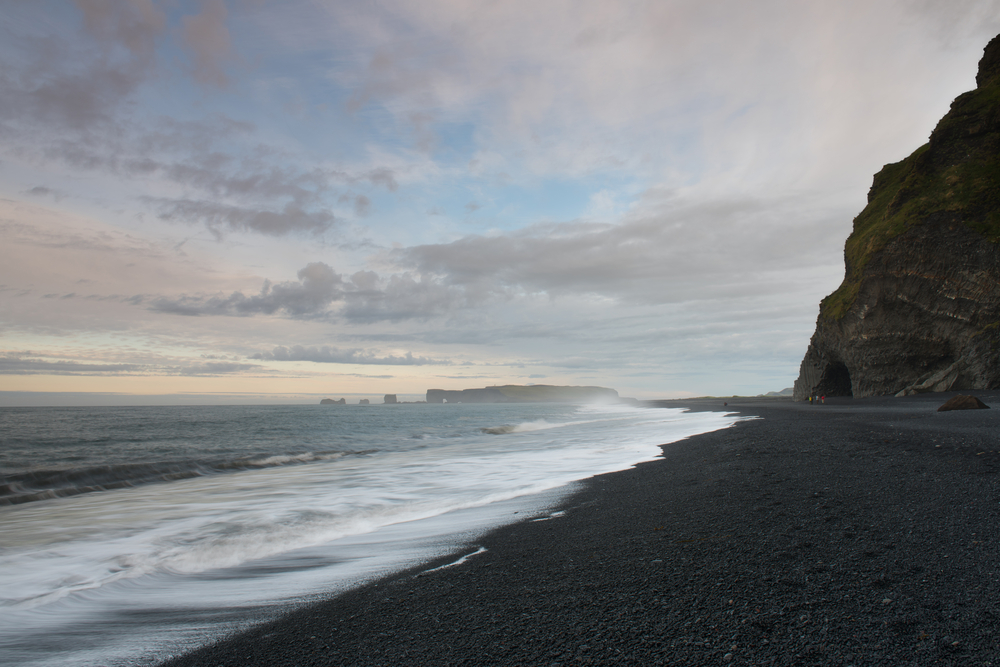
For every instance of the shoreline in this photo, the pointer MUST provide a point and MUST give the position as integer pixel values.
(860, 531)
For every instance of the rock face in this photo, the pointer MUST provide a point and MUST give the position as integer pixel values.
(330, 401)
(919, 308)
(389, 399)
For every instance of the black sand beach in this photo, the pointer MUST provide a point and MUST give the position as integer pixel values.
(859, 532)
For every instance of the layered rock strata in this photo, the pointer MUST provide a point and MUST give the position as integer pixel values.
(919, 308)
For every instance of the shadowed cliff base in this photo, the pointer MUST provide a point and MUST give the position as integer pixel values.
(919, 308)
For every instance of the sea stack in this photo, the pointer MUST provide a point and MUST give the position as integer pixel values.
(919, 308)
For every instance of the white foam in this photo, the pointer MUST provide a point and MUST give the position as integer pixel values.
(459, 561)
(189, 551)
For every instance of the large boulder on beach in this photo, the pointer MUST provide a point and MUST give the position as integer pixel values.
(919, 308)
(963, 402)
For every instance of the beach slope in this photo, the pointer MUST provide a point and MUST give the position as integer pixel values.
(857, 532)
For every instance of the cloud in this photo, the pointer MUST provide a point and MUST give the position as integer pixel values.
(14, 364)
(217, 216)
(666, 251)
(27, 363)
(401, 296)
(382, 176)
(211, 368)
(78, 86)
(362, 206)
(318, 287)
(321, 292)
(266, 192)
(664, 189)
(207, 38)
(42, 191)
(331, 355)
(659, 90)
(133, 24)
(74, 97)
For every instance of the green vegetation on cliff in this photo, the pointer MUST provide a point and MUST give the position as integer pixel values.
(953, 179)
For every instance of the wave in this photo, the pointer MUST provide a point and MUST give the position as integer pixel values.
(539, 425)
(524, 427)
(499, 430)
(44, 484)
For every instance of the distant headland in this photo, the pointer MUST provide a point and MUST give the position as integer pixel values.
(509, 393)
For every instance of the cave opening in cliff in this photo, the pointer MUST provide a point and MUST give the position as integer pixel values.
(836, 381)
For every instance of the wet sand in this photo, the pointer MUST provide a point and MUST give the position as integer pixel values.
(858, 532)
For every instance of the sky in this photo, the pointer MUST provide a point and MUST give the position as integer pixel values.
(253, 201)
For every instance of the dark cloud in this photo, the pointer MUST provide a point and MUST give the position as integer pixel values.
(331, 355)
(318, 287)
(364, 297)
(217, 174)
(218, 217)
(42, 191)
(383, 177)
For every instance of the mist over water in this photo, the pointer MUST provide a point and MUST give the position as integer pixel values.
(134, 533)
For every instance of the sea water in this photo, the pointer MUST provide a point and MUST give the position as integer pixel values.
(131, 534)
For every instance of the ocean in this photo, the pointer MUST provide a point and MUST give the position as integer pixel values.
(131, 534)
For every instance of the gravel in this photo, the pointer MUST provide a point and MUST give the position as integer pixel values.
(856, 532)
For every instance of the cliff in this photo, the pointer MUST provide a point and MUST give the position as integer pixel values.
(919, 308)
(539, 393)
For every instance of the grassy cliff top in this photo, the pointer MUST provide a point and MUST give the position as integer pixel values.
(954, 178)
